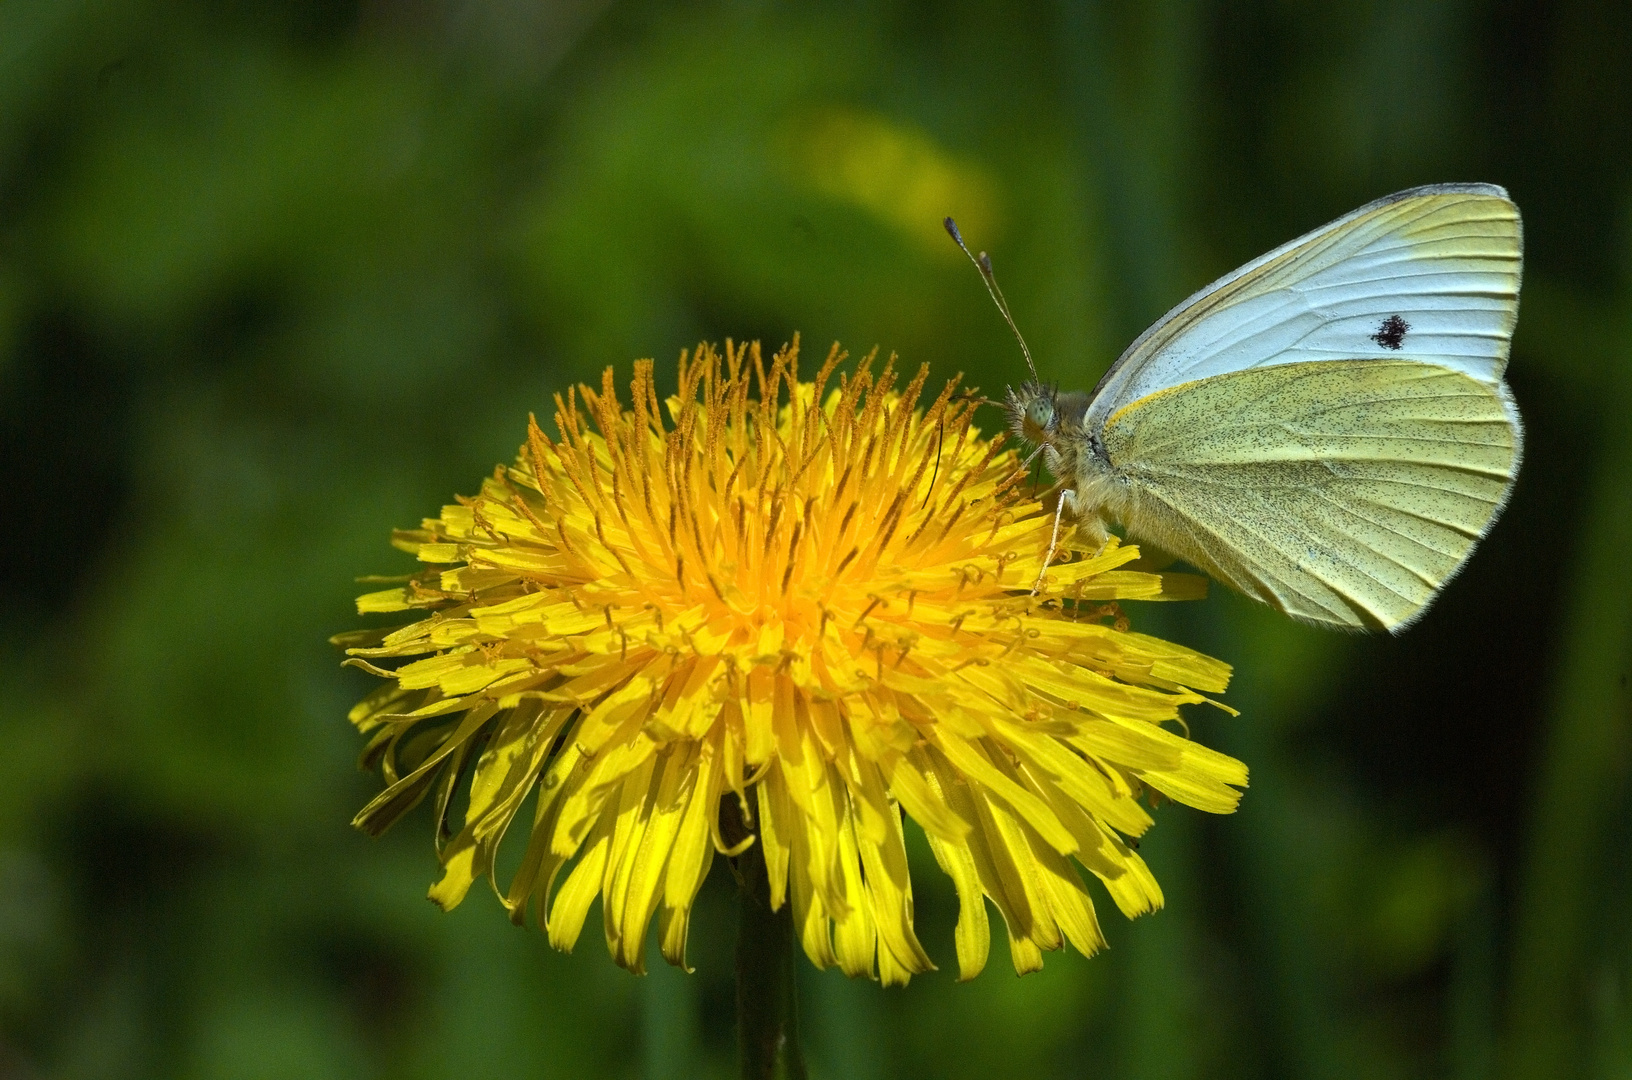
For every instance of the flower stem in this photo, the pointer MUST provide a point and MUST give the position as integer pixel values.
(767, 1000)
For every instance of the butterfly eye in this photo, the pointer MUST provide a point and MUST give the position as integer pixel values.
(1040, 414)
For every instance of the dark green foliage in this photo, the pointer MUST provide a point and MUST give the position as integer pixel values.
(275, 279)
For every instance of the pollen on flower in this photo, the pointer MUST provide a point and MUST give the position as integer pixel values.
(804, 609)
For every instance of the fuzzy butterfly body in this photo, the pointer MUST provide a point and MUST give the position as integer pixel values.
(1326, 429)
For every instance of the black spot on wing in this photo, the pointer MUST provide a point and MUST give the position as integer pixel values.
(1391, 334)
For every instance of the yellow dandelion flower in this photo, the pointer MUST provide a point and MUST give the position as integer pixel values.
(781, 612)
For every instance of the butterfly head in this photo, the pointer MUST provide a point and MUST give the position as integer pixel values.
(1056, 424)
(1043, 416)
(1031, 412)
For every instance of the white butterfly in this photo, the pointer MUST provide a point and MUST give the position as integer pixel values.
(1327, 428)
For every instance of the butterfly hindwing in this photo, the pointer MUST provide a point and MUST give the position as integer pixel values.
(1345, 492)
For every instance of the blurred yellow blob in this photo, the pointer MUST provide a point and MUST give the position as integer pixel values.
(895, 172)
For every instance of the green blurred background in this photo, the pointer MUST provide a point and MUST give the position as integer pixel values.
(275, 278)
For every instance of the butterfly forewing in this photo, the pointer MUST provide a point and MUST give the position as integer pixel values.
(1430, 274)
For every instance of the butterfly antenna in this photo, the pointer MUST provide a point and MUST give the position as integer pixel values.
(963, 397)
(983, 263)
(940, 434)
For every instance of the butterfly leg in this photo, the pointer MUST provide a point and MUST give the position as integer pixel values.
(1067, 496)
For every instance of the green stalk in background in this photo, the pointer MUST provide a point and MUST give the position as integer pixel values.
(767, 997)
(1131, 127)
(1583, 763)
